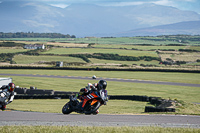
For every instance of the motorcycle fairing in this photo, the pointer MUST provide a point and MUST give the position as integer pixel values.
(90, 96)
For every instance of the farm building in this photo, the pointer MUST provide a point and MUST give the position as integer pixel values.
(59, 64)
(5, 81)
(34, 46)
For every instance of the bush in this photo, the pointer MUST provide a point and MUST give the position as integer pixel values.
(12, 62)
(188, 50)
(124, 65)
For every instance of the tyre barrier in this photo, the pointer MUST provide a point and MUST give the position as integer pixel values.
(20, 90)
(155, 100)
(155, 109)
(35, 91)
(65, 95)
(50, 94)
(42, 96)
(129, 97)
(45, 92)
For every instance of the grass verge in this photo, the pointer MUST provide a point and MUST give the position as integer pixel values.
(112, 107)
(76, 129)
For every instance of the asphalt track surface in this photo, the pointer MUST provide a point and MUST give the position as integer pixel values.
(107, 79)
(57, 119)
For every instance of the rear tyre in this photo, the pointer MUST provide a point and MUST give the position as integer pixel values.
(66, 109)
(92, 108)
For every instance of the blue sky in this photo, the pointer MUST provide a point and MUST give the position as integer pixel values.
(192, 5)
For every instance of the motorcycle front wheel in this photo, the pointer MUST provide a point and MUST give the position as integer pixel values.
(66, 109)
(92, 108)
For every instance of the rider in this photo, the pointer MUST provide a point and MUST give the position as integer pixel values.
(101, 85)
(6, 95)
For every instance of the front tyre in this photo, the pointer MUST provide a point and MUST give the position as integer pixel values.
(92, 108)
(66, 109)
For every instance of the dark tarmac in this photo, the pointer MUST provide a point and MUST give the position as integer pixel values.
(107, 79)
(58, 119)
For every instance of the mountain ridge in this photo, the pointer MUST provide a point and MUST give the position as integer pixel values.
(87, 19)
(187, 27)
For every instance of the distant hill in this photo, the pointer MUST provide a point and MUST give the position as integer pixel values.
(189, 27)
(86, 19)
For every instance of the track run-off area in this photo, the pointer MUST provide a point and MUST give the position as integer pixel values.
(10, 117)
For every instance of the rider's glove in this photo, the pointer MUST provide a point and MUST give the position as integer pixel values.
(3, 94)
(77, 95)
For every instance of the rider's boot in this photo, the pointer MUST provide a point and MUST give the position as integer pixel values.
(95, 113)
(3, 107)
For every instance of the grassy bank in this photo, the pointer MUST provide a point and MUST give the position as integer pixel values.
(112, 107)
(55, 106)
(76, 129)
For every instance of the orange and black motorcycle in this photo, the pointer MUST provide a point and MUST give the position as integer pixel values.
(88, 104)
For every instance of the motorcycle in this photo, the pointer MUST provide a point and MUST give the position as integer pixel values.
(3, 100)
(90, 103)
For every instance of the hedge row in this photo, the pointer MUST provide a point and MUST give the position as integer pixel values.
(101, 69)
(121, 58)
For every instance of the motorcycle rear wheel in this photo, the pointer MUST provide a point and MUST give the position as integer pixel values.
(66, 109)
(93, 108)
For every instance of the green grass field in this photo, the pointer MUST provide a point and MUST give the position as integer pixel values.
(90, 129)
(12, 50)
(130, 46)
(119, 40)
(28, 59)
(110, 51)
(144, 46)
(101, 62)
(55, 106)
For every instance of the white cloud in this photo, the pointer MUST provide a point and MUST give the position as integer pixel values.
(60, 5)
(122, 3)
(164, 2)
(128, 3)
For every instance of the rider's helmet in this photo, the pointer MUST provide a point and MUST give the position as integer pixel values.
(11, 87)
(102, 84)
